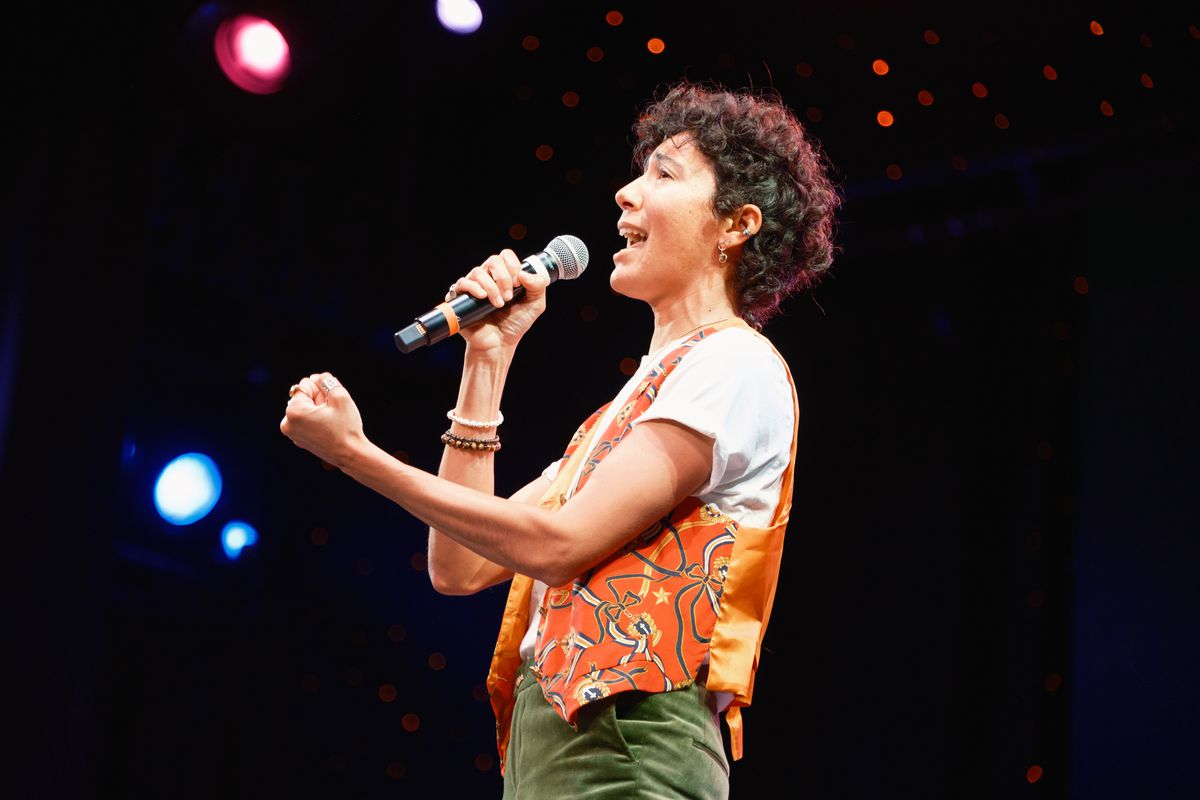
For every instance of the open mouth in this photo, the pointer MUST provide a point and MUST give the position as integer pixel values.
(633, 238)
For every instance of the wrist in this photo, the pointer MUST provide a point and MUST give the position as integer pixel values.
(499, 355)
(356, 451)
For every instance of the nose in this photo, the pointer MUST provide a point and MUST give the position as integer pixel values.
(628, 197)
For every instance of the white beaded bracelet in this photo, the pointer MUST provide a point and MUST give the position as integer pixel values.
(474, 423)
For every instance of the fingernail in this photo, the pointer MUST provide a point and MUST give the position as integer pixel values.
(508, 295)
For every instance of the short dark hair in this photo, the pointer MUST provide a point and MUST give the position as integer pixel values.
(760, 154)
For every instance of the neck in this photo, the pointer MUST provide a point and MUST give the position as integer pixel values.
(685, 313)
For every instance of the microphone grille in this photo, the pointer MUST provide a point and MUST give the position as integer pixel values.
(571, 254)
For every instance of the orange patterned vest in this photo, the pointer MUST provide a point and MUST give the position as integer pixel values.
(696, 583)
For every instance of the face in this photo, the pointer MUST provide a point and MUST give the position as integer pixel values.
(668, 223)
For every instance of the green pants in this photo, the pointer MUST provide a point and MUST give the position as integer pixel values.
(631, 745)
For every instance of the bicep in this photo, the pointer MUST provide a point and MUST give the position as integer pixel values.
(658, 464)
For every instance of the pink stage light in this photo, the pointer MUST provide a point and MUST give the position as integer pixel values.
(253, 54)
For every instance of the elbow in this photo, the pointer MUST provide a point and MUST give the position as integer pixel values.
(448, 585)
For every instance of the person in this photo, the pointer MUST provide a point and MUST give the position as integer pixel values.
(643, 563)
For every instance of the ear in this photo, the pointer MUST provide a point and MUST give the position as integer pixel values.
(745, 218)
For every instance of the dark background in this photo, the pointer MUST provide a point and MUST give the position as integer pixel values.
(992, 559)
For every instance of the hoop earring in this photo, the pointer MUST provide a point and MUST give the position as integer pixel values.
(723, 257)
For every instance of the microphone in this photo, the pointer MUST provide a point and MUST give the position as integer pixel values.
(565, 258)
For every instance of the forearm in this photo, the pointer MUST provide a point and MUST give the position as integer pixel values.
(517, 536)
(452, 567)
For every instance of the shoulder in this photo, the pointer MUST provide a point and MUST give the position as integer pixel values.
(735, 355)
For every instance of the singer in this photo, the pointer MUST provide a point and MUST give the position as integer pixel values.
(643, 563)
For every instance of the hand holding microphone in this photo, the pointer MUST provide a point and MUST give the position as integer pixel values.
(500, 282)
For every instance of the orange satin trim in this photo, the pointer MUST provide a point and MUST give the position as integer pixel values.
(748, 597)
(506, 659)
(451, 317)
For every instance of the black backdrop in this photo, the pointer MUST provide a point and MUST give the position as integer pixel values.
(990, 564)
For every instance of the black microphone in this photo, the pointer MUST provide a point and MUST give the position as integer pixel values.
(565, 258)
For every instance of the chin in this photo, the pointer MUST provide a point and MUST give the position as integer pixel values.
(623, 283)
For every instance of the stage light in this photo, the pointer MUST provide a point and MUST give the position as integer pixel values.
(187, 488)
(459, 16)
(253, 54)
(235, 536)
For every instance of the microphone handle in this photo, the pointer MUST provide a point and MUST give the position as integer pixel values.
(434, 326)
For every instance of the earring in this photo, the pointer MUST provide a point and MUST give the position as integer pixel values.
(746, 231)
(724, 256)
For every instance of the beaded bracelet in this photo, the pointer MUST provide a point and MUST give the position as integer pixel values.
(466, 443)
(475, 423)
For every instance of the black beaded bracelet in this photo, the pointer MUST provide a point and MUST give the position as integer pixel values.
(467, 443)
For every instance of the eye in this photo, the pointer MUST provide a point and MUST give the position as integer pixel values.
(662, 173)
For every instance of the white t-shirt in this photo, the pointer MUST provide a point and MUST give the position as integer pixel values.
(732, 388)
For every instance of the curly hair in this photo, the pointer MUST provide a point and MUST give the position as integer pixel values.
(760, 154)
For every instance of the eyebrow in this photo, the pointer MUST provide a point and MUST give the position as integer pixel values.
(668, 160)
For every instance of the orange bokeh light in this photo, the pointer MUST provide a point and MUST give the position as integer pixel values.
(544, 152)
(627, 366)
(1001, 121)
(437, 661)
(879, 67)
(978, 89)
(594, 54)
(1147, 81)
(804, 69)
(931, 37)
(1096, 28)
(387, 693)
(570, 99)
(1106, 108)
(656, 45)
(517, 232)
(410, 722)
(925, 97)
(1033, 774)
(614, 18)
(531, 43)
(885, 118)
(1080, 285)
(1050, 73)
(894, 172)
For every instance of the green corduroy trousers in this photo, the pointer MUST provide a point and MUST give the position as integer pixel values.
(631, 745)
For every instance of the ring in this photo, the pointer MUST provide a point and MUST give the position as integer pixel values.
(329, 384)
(451, 294)
(295, 387)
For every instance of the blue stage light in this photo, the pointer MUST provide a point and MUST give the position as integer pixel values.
(187, 488)
(235, 536)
